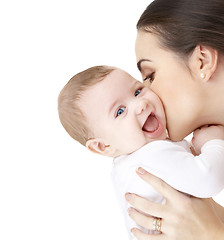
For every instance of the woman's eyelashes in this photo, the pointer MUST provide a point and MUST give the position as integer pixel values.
(150, 77)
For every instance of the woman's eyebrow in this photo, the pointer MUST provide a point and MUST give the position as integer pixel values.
(139, 63)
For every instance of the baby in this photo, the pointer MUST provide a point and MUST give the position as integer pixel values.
(111, 113)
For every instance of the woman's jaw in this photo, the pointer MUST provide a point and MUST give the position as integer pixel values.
(189, 100)
(179, 128)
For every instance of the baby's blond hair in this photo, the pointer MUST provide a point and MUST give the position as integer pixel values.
(71, 116)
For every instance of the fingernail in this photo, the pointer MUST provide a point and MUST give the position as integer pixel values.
(133, 231)
(141, 171)
(128, 196)
(130, 210)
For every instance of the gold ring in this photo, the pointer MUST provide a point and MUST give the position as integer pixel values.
(157, 222)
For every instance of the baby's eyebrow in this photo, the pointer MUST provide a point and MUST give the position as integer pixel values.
(140, 61)
(136, 84)
(112, 106)
(133, 85)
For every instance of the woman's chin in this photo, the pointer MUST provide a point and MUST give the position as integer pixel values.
(177, 134)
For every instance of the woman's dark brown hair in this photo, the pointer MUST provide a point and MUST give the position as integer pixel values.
(183, 24)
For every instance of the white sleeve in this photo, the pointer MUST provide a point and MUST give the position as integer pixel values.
(201, 176)
(126, 180)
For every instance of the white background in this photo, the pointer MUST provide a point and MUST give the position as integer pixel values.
(50, 186)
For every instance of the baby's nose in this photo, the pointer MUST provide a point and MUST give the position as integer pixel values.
(141, 106)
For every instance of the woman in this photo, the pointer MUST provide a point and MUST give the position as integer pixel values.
(180, 54)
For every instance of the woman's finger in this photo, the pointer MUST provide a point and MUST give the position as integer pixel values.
(144, 221)
(143, 236)
(162, 187)
(146, 206)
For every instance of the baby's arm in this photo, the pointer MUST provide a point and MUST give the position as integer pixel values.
(205, 134)
(201, 176)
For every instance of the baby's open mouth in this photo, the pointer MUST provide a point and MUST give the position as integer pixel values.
(151, 124)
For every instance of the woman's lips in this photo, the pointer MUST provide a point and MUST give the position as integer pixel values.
(152, 127)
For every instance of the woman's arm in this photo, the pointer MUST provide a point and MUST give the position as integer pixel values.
(183, 217)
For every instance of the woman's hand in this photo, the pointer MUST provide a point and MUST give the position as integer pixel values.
(183, 217)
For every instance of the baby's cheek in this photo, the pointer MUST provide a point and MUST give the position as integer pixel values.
(147, 84)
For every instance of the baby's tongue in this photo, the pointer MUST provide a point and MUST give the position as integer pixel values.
(151, 123)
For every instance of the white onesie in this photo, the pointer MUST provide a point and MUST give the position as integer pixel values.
(201, 176)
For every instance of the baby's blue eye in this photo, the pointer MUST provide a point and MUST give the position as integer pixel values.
(137, 92)
(120, 111)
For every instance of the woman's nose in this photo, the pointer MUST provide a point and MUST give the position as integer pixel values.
(141, 105)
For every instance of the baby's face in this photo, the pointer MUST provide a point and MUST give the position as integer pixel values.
(124, 113)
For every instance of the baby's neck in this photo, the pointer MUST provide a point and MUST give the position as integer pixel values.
(139, 148)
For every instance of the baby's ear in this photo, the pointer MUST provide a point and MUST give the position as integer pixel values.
(97, 145)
